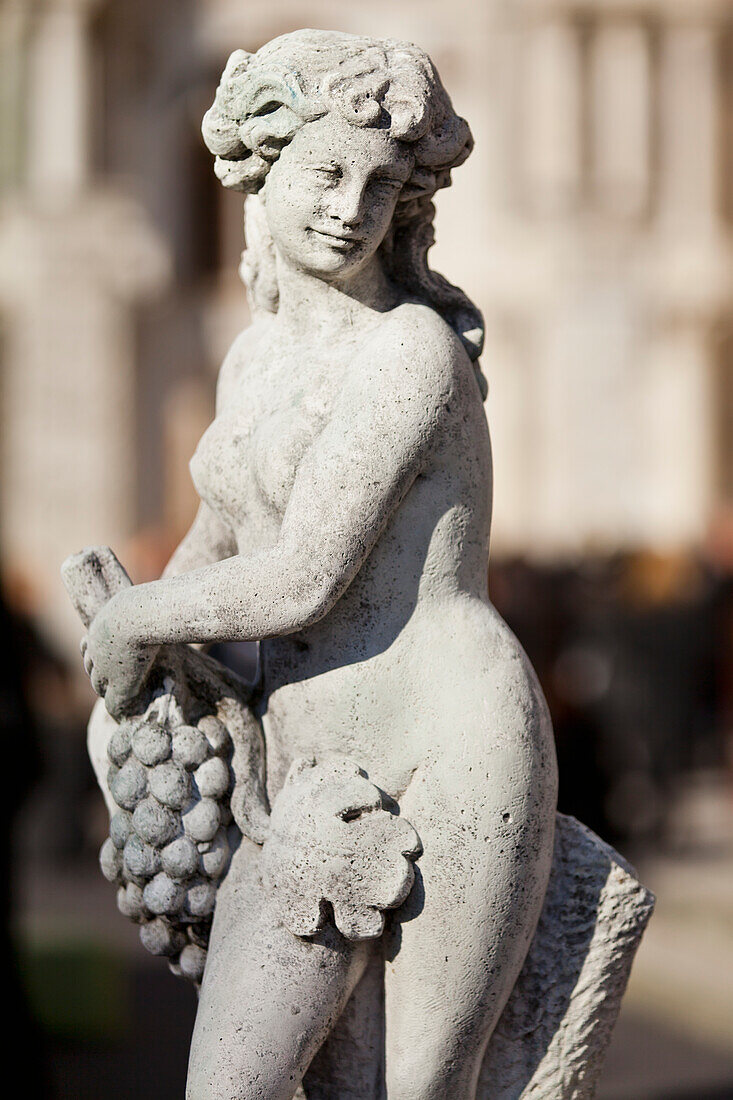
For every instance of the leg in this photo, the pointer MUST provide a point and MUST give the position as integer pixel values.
(459, 943)
(350, 1064)
(268, 999)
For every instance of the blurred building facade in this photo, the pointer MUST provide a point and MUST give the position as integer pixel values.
(592, 225)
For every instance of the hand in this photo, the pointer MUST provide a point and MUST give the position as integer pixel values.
(116, 664)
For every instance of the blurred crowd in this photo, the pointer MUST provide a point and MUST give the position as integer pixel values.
(635, 654)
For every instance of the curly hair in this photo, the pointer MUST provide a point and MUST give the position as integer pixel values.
(264, 98)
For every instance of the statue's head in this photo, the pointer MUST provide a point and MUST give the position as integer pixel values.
(344, 140)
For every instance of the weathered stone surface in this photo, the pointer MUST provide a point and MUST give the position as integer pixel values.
(160, 938)
(332, 843)
(129, 785)
(552, 1036)
(120, 827)
(120, 745)
(212, 778)
(214, 857)
(180, 859)
(151, 743)
(189, 747)
(202, 820)
(370, 901)
(153, 822)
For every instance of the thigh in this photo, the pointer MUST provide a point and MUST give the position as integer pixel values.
(268, 998)
(350, 1064)
(456, 948)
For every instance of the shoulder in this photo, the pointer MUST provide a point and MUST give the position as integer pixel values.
(415, 357)
(405, 378)
(419, 328)
(416, 340)
(240, 353)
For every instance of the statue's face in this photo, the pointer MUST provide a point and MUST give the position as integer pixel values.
(331, 195)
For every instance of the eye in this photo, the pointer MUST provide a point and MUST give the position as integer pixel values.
(328, 171)
(267, 108)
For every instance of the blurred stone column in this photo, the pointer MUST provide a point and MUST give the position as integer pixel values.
(677, 402)
(58, 108)
(551, 117)
(15, 18)
(74, 258)
(689, 283)
(689, 118)
(620, 116)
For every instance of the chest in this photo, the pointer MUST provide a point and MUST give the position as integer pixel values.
(247, 460)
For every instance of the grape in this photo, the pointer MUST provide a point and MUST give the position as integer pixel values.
(118, 748)
(189, 746)
(163, 895)
(216, 734)
(212, 778)
(170, 785)
(160, 938)
(199, 933)
(215, 860)
(201, 898)
(154, 823)
(151, 743)
(202, 821)
(168, 845)
(141, 861)
(130, 902)
(129, 785)
(181, 858)
(192, 962)
(110, 860)
(120, 828)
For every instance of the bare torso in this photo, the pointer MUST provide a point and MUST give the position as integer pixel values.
(378, 677)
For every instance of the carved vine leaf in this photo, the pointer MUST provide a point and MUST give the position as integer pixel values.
(333, 843)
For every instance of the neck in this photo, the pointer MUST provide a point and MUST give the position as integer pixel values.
(311, 305)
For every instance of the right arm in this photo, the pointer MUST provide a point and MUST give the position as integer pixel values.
(394, 405)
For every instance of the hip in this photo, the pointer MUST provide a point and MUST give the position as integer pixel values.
(458, 688)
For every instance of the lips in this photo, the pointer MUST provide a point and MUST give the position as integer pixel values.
(337, 238)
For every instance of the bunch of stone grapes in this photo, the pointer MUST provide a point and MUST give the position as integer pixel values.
(168, 847)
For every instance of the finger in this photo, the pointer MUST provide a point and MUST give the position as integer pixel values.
(83, 645)
(116, 701)
(88, 664)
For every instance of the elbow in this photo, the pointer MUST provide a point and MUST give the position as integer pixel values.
(309, 591)
(318, 597)
(306, 585)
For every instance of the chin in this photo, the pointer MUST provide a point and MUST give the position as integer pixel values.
(334, 266)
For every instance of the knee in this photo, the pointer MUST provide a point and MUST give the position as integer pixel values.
(410, 1079)
(420, 1074)
(247, 1083)
(216, 1074)
(207, 1080)
(236, 1063)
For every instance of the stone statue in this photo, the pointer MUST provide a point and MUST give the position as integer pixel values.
(352, 859)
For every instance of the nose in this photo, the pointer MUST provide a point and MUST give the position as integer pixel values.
(347, 203)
